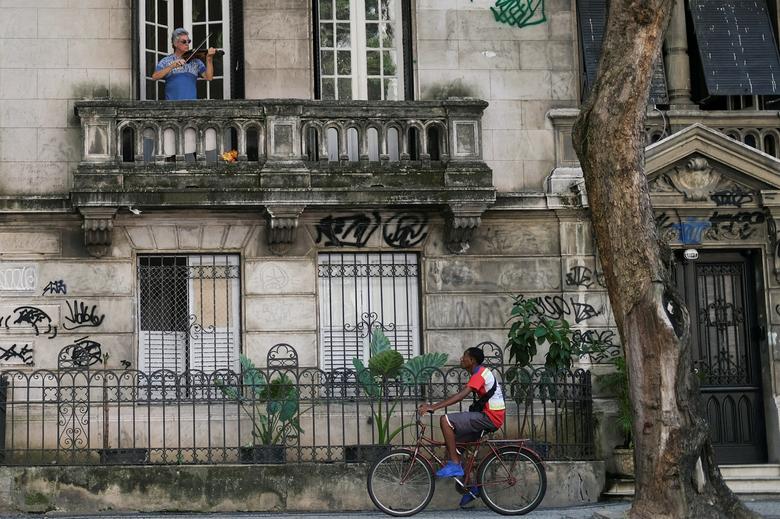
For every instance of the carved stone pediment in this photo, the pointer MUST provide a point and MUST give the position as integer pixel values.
(697, 180)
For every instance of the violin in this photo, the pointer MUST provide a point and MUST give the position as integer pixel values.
(200, 54)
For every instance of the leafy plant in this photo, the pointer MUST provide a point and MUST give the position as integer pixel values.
(530, 328)
(616, 383)
(273, 406)
(385, 365)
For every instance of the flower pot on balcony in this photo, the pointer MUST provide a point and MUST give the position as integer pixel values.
(624, 462)
(365, 453)
(263, 454)
(124, 456)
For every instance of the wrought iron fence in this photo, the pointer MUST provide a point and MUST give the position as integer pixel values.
(279, 413)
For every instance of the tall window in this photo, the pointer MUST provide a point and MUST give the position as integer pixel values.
(158, 19)
(361, 49)
(189, 313)
(359, 292)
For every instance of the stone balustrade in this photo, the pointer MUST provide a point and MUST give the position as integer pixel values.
(138, 133)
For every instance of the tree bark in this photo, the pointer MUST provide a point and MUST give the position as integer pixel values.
(676, 475)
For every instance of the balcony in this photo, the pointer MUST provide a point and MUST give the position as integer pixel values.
(282, 155)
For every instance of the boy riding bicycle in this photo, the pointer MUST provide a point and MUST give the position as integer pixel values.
(485, 415)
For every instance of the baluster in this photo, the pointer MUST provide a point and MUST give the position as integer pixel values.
(138, 134)
(384, 156)
(404, 143)
(322, 142)
(180, 131)
(363, 143)
(444, 155)
(201, 144)
(422, 145)
(241, 137)
(343, 156)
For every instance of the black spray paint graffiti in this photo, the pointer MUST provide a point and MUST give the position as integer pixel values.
(582, 276)
(125, 364)
(33, 316)
(597, 343)
(735, 197)
(14, 352)
(734, 226)
(55, 287)
(556, 307)
(403, 230)
(81, 316)
(400, 230)
(352, 230)
(82, 353)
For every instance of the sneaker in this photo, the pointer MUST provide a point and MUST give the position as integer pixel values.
(450, 470)
(470, 495)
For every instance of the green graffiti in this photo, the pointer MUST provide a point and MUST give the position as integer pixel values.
(519, 13)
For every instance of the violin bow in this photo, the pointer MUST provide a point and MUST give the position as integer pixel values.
(196, 49)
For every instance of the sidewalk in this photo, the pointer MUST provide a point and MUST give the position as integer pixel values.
(769, 508)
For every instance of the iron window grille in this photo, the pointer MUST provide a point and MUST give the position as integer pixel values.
(362, 292)
(189, 318)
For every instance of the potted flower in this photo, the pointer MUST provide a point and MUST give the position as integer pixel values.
(271, 405)
(385, 367)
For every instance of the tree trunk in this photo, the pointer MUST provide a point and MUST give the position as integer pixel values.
(676, 475)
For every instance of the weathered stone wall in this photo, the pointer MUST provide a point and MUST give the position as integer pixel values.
(304, 488)
(277, 49)
(53, 52)
(462, 50)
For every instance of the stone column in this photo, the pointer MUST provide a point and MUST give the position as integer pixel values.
(678, 69)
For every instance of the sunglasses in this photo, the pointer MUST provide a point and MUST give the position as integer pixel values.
(185, 41)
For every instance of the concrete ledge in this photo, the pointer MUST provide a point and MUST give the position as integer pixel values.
(299, 487)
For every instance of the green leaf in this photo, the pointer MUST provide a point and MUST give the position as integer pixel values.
(379, 342)
(386, 364)
(365, 379)
(419, 369)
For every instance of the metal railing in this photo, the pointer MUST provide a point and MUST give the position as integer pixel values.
(278, 413)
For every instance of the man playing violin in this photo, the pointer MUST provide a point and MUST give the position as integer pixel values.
(182, 69)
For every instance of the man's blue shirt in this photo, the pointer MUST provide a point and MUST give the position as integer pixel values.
(180, 82)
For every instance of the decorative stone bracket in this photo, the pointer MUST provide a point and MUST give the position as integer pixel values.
(462, 221)
(282, 227)
(98, 225)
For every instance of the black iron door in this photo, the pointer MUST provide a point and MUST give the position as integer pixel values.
(719, 289)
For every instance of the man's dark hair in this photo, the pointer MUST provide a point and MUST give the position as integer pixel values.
(475, 353)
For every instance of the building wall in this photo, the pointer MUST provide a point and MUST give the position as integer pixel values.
(52, 53)
(522, 72)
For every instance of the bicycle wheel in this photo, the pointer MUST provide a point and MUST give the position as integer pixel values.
(512, 482)
(400, 486)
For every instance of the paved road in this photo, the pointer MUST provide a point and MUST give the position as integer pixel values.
(770, 509)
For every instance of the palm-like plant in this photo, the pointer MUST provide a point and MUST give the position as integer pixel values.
(271, 405)
(386, 365)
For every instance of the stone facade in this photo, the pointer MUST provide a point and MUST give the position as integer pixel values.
(504, 215)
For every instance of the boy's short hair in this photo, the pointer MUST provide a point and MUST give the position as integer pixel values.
(475, 353)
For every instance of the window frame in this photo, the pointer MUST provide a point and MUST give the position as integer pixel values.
(406, 67)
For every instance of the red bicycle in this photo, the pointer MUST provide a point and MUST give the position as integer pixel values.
(510, 476)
